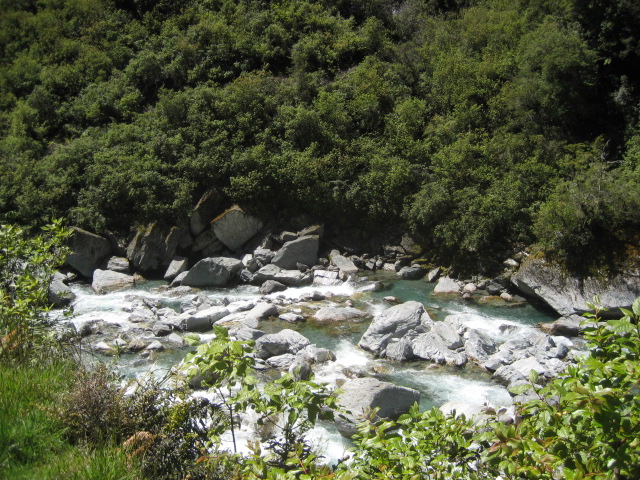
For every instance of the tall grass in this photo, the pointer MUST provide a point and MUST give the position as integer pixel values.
(33, 440)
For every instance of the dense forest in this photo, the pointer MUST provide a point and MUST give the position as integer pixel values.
(481, 125)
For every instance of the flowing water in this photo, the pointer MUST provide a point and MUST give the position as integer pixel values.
(469, 385)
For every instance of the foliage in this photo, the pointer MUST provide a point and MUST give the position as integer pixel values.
(27, 264)
(451, 117)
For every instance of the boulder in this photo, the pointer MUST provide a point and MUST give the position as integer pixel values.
(263, 255)
(250, 263)
(59, 293)
(568, 294)
(234, 227)
(518, 371)
(478, 346)
(206, 209)
(411, 273)
(246, 333)
(264, 310)
(431, 346)
(202, 320)
(107, 281)
(290, 278)
(448, 334)
(338, 314)
(346, 266)
(359, 396)
(312, 230)
(434, 274)
(394, 322)
(212, 272)
(285, 341)
(400, 351)
(314, 354)
(271, 286)
(118, 264)
(302, 250)
(154, 247)
(88, 250)
(447, 285)
(176, 267)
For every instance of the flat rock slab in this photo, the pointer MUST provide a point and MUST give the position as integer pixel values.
(363, 394)
(338, 314)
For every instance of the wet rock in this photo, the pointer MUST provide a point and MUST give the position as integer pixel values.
(88, 251)
(177, 282)
(155, 346)
(291, 317)
(361, 395)
(212, 272)
(105, 281)
(234, 227)
(433, 274)
(285, 341)
(494, 289)
(271, 286)
(59, 293)
(338, 314)
(314, 354)
(447, 285)
(394, 322)
(136, 345)
(161, 329)
(202, 321)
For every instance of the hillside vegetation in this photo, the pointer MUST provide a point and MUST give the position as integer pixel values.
(480, 125)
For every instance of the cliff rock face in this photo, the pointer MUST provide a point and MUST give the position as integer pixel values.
(567, 294)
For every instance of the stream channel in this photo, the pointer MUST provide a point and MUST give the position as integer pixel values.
(437, 385)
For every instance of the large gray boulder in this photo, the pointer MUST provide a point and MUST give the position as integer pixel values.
(302, 250)
(431, 346)
(338, 314)
(361, 395)
(204, 211)
(59, 293)
(88, 250)
(118, 264)
(212, 272)
(394, 322)
(285, 341)
(569, 326)
(154, 247)
(412, 273)
(107, 281)
(234, 227)
(568, 294)
(207, 242)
